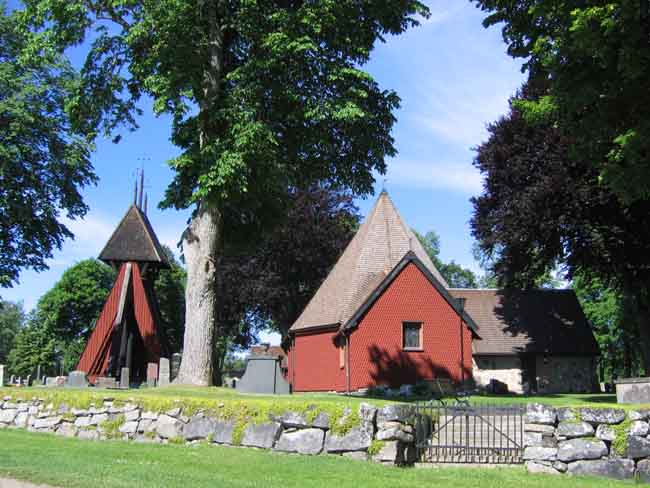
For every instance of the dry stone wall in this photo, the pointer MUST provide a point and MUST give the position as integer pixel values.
(606, 442)
(384, 435)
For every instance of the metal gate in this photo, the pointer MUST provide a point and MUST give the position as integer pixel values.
(478, 434)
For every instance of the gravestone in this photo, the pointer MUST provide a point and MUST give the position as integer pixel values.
(28, 380)
(44, 380)
(175, 365)
(263, 375)
(106, 382)
(152, 374)
(124, 378)
(38, 373)
(163, 372)
(2, 375)
(77, 379)
(12, 380)
(633, 390)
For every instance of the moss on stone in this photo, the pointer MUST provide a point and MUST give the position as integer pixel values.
(621, 432)
(111, 428)
(375, 447)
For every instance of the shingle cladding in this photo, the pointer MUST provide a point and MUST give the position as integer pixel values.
(529, 321)
(134, 240)
(379, 245)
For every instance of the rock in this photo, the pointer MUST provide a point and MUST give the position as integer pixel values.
(620, 469)
(395, 452)
(149, 416)
(560, 466)
(536, 413)
(147, 425)
(602, 415)
(174, 412)
(21, 419)
(47, 423)
(566, 414)
(168, 427)
(574, 429)
(574, 449)
(356, 455)
(540, 454)
(535, 439)
(199, 428)
(304, 441)
(98, 419)
(223, 432)
(639, 428)
(605, 433)
(97, 411)
(535, 467)
(637, 447)
(322, 421)
(292, 419)
(131, 415)
(67, 429)
(394, 434)
(8, 416)
(261, 435)
(395, 413)
(542, 429)
(79, 412)
(82, 421)
(638, 414)
(643, 470)
(357, 439)
(367, 415)
(89, 435)
(130, 427)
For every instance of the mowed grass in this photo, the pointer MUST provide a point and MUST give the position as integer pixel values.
(46, 458)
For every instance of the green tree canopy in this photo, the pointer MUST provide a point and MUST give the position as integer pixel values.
(596, 57)
(455, 275)
(170, 291)
(12, 319)
(265, 97)
(43, 164)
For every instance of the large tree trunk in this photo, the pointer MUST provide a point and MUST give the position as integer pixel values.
(201, 247)
(203, 237)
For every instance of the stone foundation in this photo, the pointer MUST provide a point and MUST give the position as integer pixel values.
(384, 435)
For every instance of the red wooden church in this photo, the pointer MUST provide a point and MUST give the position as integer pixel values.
(383, 316)
(128, 332)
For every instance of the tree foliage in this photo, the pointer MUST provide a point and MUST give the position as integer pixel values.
(170, 291)
(43, 163)
(541, 208)
(12, 319)
(34, 346)
(455, 275)
(596, 56)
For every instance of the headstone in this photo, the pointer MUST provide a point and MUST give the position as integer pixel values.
(124, 378)
(61, 380)
(38, 373)
(163, 372)
(77, 379)
(152, 374)
(28, 380)
(44, 380)
(2, 375)
(633, 390)
(12, 380)
(106, 382)
(175, 365)
(263, 375)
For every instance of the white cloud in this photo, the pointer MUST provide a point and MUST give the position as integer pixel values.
(441, 11)
(456, 177)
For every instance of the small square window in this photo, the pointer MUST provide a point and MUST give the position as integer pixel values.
(412, 334)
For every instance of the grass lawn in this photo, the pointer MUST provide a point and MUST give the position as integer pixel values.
(45, 458)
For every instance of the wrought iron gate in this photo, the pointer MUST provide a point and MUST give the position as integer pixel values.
(487, 434)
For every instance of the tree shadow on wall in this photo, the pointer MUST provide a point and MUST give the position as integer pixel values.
(396, 369)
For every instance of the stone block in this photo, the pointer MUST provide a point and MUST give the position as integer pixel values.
(223, 431)
(541, 467)
(130, 427)
(608, 416)
(146, 425)
(395, 413)
(77, 379)
(605, 433)
(47, 423)
(534, 453)
(357, 439)
(577, 449)
(642, 414)
(322, 421)
(292, 419)
(131, 415)
(89, 435)
(643, 470)
(639, 428)
(261, 435)
(536, 413)
(615, 468)
(356, 455)
(633, 390)
(303, 441)
(540, 428)
(82, 421)
(199, 427)
(67, 429)
(8, 416)
(536, 439)
(566, 414)
(98, 419)
(164, 374)
(21, 419)
(637, 447)
(168, 427)
(394, 434)
(574, 429)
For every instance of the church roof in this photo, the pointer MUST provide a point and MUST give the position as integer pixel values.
(134, 240)
(378, 246)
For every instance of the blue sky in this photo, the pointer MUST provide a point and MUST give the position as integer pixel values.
(453, 77)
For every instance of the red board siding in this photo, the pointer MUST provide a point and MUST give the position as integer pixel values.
(316, 362)
(376, 353)
(145, 317)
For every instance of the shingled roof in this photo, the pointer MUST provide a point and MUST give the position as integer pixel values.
(531, 321)
(378, 246)
(134, 240)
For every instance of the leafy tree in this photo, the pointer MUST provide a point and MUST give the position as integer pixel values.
(455, 275)
(35, 346)
(596, 57)
(12, 319)
(170, 291)
(265, 96)
(43, 164)
(542, 208)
